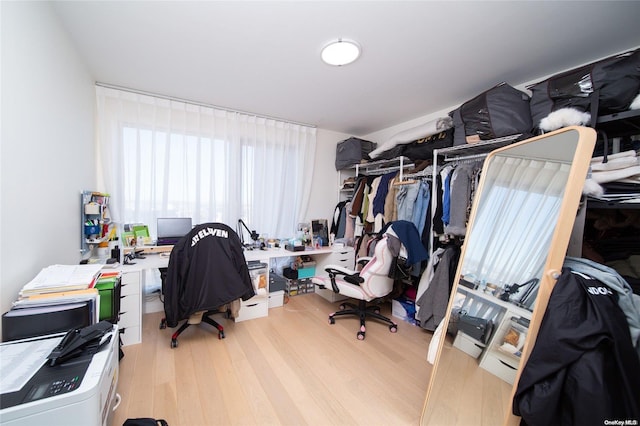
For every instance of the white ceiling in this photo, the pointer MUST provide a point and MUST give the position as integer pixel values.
(417, 57)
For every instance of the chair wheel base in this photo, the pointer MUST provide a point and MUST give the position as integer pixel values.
(363, 312)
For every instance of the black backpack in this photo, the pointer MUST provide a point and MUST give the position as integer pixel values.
(145, 421)
(602, 87)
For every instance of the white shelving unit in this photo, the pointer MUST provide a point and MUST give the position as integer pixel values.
(505, 316)
(94, 214)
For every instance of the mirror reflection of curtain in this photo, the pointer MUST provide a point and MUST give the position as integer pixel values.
(499, 249)
(161, 157)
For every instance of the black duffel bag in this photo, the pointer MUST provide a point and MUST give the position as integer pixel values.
(500, 111)
(600, 88)
(422, 149)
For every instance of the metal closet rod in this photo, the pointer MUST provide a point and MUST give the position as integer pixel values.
(466, 157)
(202, 104)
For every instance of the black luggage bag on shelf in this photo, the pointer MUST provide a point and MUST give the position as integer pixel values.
(352, 151)
(603, 87)
(500, 111)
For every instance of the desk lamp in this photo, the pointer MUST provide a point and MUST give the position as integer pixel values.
(510, 290)
(254, 235)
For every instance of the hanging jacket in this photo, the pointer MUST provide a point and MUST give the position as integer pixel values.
(207, 269)
(435, 299)
(628, 302)
(338, 214)
(583, 369)
(409, 236)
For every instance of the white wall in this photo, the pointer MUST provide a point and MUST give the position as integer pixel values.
(47, 151)
(324, 188)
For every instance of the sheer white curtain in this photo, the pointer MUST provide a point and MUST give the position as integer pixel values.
(165, 158)
(515, 222)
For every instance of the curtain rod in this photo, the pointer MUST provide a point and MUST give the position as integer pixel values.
(202, 104)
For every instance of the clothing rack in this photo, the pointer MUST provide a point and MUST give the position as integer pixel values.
(426, 173)
(466, 150)
(466, 158)
(383, 166)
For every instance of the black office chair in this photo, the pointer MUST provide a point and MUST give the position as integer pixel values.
(207, 270)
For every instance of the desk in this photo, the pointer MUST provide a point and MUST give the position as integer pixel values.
(132, 284)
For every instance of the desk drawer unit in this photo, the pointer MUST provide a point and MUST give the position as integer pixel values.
(256, 307)
(130, 323)
(500, 366)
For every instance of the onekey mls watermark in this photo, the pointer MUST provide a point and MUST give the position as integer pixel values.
(626, 422)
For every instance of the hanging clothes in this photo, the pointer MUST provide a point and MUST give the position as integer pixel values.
(408, 235)
(421, 205)
(390, 208)
(427, 275)
(436, 215)
(379, 201)
(459, 199)
(445, 174)
(435, 299)
(358, 197)
(349, 229)
(381, 194)
(583, 369)
(338, 213)
(405, 200)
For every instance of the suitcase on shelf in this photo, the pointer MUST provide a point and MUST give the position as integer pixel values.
(351, 151)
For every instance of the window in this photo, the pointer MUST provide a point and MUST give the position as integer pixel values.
(162, 158)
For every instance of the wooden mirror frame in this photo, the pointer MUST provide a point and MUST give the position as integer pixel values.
(579, 159)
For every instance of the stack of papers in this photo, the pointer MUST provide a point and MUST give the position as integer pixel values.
(60, 287)
(62, 278)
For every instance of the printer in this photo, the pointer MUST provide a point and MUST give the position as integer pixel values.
(74, 389)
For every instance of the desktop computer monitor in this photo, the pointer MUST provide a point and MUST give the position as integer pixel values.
(171, 229)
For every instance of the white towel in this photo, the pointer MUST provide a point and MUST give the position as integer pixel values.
(616, 164)
(615, 175)
(630, 153)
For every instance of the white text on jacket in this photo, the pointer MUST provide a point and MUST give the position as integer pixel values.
(209, 232)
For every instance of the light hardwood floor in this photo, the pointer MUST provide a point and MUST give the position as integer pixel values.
(290, 368)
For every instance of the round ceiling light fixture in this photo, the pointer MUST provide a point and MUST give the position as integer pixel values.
(340, 52)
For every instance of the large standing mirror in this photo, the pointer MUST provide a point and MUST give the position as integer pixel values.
(518, 232)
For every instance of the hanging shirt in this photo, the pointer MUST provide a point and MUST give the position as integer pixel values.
(446, 178)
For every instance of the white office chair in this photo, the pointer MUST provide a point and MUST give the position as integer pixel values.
(372, 282)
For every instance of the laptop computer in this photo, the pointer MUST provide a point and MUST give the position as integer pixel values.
(171, 229)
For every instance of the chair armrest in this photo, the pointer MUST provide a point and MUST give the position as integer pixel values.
(339, 270)
(350, 276)
(363, 260)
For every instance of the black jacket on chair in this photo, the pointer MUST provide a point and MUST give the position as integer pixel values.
(207, 269)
